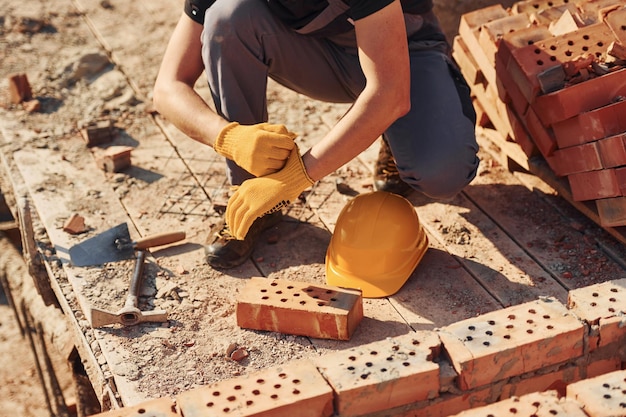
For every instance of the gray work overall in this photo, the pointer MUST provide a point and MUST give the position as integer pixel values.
(244, 43)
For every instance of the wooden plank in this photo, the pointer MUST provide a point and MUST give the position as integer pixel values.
(551, 240)
(537, 166)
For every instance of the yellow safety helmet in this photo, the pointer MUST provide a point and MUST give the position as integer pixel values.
(377, 243)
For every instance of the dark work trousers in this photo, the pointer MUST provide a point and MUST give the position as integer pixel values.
(244, 43)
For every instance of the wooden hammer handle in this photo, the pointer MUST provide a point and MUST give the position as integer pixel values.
(159, 239)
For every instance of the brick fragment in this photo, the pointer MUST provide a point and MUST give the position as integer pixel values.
(602, 301)
(98, 132)
(512, 342)
(295, 389)
(300, 308)
(115, 158)
(75, 224)
(617, 50)
(385, 374)
(531, 405)
(161, 407)
(602, 396)
(19, 88)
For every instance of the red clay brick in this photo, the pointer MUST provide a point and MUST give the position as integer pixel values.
(444, 405)
(594, 185)
(596, 124)
(598, 302)
(519, 39)
(512, 342)
(466, 62)
(162, 407)
(581, 158)
(612, 211)
(469, 30)
(491, 33)
(299, 308)
(115, 158)
(508, 91)
(383, 375)
(579, 98)
(19, 88)
(542, 137)
(532, 60)
(550, 380)
(295, 389)
(613, 151)
(620, 173)
(531, 405)
(602, 396)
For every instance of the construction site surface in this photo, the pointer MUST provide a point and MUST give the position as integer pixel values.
(517, 308)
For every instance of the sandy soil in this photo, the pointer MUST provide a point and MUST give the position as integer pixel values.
(62, 85)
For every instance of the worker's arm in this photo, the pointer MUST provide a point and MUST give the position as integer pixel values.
(383, 53)
(384, 58)
(174, 95)
(260, 149)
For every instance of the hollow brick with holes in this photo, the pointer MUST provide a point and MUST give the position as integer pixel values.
(578, 98)
(530, 61)
(299, 308)
(512, 341)
(469, 30)
(603, 305)
(602, 396)
(544, 404)
(161, 407)
(295, 389)
(384, 374)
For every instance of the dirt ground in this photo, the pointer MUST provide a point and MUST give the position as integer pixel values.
(24, 33)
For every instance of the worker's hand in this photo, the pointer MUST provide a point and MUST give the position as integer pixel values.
(259, 196)
(260, 149)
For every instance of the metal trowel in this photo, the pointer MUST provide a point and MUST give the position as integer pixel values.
(115, 244)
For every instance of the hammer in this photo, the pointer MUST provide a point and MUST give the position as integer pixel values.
(129, 315)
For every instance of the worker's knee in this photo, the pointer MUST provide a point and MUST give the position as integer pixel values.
(225, 18)
(443, 178)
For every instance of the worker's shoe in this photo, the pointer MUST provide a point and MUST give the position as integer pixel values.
(386, 175)
(223, 251)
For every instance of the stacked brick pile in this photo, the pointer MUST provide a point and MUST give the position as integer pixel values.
(541, 358)
(550, 76)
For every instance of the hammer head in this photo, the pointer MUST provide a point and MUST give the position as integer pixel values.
(127, 316)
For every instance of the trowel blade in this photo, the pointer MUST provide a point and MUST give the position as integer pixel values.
(103, 248)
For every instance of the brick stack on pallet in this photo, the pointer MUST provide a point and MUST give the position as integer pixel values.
(550, 77)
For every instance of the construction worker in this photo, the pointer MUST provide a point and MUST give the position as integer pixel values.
(389, 58)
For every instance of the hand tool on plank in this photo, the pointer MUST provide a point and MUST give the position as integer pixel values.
(115, 244)
(130, 314)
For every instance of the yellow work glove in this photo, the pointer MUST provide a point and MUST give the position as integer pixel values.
(260, 149)
(259, 196)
